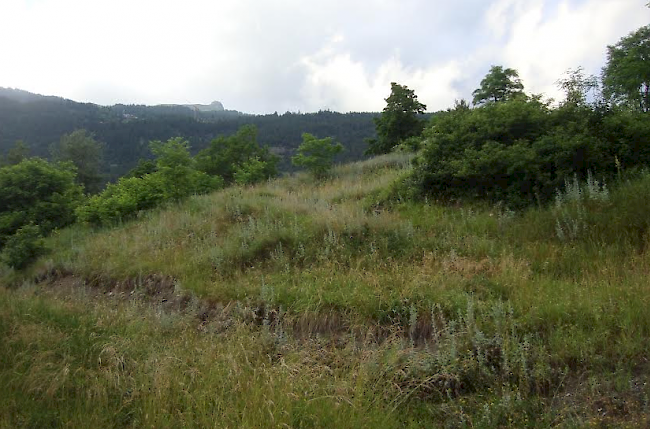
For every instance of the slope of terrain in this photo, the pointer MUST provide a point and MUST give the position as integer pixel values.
(304, 304)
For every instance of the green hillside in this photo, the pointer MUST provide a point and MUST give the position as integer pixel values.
(126, 130)
(298, 303)
(488, 268)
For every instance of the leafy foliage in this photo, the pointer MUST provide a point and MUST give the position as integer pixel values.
(122, 200)
(577, 86)
(228, 155)
(23, 247)
(145, 166)
(81, 148)
(252, 171)
(626, 76)
(37, 192)
(316, 155)
(16, 154)
(398, 121)
(174, 179)
(498, 85)
(520, 151)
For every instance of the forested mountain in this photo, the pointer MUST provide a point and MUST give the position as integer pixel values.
(126, 130)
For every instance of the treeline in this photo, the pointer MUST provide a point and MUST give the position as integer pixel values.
(126, 131)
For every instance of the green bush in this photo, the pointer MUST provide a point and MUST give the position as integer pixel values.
(521, 151)
(22, 248)
(175, 179)
(36, 191)
(235, 157)
(252, 171)
(316, 155)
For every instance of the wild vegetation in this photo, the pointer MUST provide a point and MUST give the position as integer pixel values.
(125, 131)
(497, 277)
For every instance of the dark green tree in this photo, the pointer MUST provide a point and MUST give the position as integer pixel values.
(498, 85)
(145, 166)
(400, 120)
(626, 76)
(316, 155)
(23, 247)
(37, 192)
(81, 148)
(226, 155)
(17, 153)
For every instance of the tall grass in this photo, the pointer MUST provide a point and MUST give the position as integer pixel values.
(337, 311)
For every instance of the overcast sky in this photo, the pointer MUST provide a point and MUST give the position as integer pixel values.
(261, 56)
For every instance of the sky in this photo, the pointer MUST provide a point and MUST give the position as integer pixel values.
(265, 56)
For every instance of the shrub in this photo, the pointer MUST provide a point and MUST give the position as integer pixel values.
(175, 179)
(36, 191)
(22, 248)
(520, 151)
(316, 155)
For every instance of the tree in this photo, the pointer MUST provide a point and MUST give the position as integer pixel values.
(498, 85)
(576, 86)
(177, 170)
(17, 153)
(81, 148)
(226, 155)
(144, 167)
(37, 192)
(173, 177)
(398, 121)
(626, 75)
(316, 155)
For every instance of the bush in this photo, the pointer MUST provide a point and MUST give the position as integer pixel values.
(175, 179)
(520, 151)
(316, 155)
(238, 158)
(252, 171)
(35, 191)
(22, 248)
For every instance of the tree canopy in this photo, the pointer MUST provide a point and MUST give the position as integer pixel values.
(316, 155)
(81, 148)
(626, 75)
(228, 154)
(498, 85)
(400, 120)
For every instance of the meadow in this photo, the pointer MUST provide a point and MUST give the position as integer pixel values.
(338, 303)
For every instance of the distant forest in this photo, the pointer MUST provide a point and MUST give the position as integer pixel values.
(126, 130)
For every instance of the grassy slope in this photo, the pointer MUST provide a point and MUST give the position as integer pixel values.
(326, 310)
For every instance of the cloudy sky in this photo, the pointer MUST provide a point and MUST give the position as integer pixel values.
(261, 56)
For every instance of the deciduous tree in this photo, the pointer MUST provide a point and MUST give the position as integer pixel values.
(498, 85)
(81, 148)
(626, 76)
(228, 154)
(316, 155)
(400, 119)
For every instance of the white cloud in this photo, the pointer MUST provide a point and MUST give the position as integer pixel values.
(265, 55)
(545, 40)
(336, 81)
